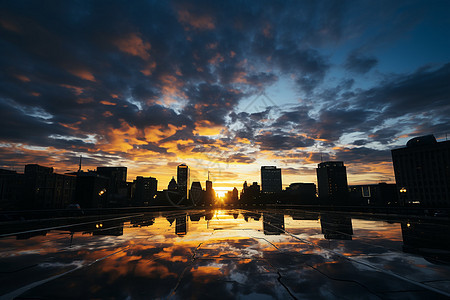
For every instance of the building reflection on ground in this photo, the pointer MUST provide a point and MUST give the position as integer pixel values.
(227, 254)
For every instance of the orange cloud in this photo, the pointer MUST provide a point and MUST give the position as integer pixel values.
(171, 88)
(216, 59)
(121, 139)
(85, 100)
(148, 70)
(23, 78)
(207, 128)
(73, 126)
(239, 77)
(107, 103)
(83, 74)
(134, 45)
(204, 22)
(107, 114)
(157, 133)
(78, 90)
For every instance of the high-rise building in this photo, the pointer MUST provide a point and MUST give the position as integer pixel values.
(12, 194)
(251, 194)
(196, 193)
(422, 172)
(302, 193)
(270, 179)
(209, 193)
(183, 179)
(92, 190)
(117, 174)
(380, 194)
(117, 188)
(145, 190)
(235, 195)
(332, 181)
(45, 189)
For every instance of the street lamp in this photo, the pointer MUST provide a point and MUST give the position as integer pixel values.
(403, 195)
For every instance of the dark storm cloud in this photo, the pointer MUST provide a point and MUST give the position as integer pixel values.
(271, 141)
(311, 64)
(362, 155)
(152, 147)
(359, 63)
(332, 124)
(211, 102)
(422, 96)
(424, 91)
(240, 158)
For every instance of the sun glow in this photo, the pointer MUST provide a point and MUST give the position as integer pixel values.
(222, 191)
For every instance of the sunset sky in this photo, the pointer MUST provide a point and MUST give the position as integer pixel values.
(223, 86)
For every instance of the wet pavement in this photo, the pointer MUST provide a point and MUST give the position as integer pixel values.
(225, 254)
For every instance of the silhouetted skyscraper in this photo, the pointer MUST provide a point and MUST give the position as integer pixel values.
(196, 193)
(117, 189)
(235, 195)
(45, 189)
(332, 181)
(422, 172)
(270, 179)
(183, 179)
(209, 194)
(145, 190)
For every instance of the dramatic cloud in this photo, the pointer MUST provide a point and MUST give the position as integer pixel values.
(360, 63)
(220, 85)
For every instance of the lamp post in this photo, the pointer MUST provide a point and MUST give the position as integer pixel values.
(403, 195)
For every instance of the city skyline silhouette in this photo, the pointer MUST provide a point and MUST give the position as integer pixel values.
(224, 88)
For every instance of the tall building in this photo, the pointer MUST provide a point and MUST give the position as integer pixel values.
(118, 175)
(235, 195)
(381, 194)
(332, 182)
(270, 179)
(302, 193)
(12, 192)
(145, 190)
(45, 189)
(117, 189)
(183, 179)
(422, 172)
(196, 193)
(91, 190)
(209, 193)
(251, 194)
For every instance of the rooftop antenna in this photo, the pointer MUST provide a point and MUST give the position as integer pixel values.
(208, 175)
(79, 168)
(321, 157)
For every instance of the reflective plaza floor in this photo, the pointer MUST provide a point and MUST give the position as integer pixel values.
(228, 254)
